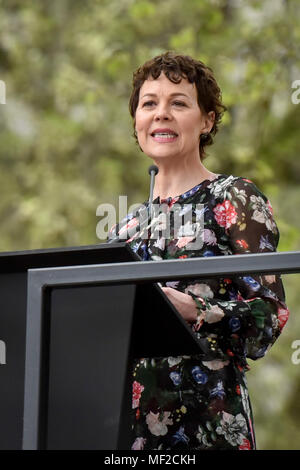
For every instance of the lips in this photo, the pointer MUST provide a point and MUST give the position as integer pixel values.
(164, 138)
(164, 135)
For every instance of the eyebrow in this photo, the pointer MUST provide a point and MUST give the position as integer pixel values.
(172, 94)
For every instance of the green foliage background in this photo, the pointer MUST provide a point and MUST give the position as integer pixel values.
(65, 132)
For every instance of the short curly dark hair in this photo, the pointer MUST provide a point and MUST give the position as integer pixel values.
(176, 67)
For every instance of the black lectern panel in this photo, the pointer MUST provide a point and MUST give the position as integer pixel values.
(13, 302)
(90, 330)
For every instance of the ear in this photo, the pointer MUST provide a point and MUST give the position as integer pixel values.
(209, 121)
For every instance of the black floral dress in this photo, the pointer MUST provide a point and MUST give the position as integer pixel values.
(193, 402)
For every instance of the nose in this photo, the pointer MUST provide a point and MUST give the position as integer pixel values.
(162, 113)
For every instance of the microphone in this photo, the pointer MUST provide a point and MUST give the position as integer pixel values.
(152, 170)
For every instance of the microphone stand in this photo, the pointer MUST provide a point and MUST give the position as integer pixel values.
(152, 170)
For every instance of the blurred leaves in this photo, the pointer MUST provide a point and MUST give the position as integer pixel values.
(66, 135)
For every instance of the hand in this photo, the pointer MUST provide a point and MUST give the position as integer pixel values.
(184, 303)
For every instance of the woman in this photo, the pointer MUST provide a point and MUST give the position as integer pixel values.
(189, 402)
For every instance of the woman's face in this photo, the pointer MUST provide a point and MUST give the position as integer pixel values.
(168, 119)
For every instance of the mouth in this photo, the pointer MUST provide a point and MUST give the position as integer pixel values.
(164, 135)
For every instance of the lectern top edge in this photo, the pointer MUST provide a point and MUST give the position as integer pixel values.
(61, 249)
(21, 261)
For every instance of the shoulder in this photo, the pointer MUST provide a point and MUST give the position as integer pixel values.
(244, 205)
(235, 187)
(241, 195)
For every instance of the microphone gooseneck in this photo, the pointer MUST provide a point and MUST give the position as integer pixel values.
(152, 170)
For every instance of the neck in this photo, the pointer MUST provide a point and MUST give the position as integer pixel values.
(176, 179)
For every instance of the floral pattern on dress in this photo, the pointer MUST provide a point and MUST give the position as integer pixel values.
(196, 402)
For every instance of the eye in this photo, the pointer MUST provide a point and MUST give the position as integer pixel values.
(147, 103)
(177, 103)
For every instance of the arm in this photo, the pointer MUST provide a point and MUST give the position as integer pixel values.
(248, 325)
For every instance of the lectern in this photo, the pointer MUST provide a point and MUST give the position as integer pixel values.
(72, 328)
(82, 314)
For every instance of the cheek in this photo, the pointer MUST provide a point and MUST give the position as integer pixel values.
(141, 122)
(191, 126)
(191, 133)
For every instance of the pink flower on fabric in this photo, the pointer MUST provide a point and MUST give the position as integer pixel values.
(138, 444)
(137, 389)
(239, 297)
(172, 202)
(200, 290)
(242, 243)
(158, 424)
(283, 315)
(225, 214)
(132, 223)
(209, 237)
(183, 241)
(269, 205)
(245, 445)
(214, 314)
(270, 279)
(247, 180)
(215, 364)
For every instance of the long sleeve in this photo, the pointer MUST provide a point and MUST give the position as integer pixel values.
(133, 226)
(248, 324)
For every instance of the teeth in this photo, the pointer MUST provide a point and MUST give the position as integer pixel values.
(164, 134)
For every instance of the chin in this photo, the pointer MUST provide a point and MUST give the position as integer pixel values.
(161, 153)
(157, 156)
